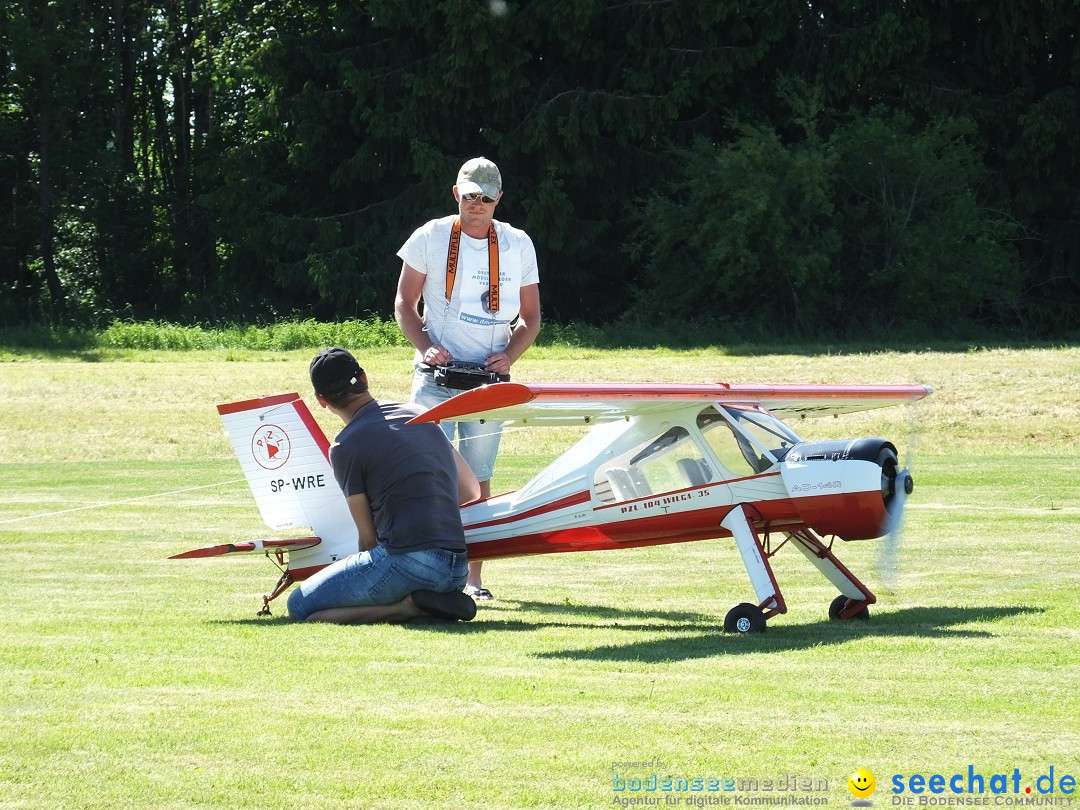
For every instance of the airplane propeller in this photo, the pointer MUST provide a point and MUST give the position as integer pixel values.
(896, 484)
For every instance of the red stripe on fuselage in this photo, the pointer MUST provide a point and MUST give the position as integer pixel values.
(848, 515)
(562, 503)
(653, 530)
(300, 574)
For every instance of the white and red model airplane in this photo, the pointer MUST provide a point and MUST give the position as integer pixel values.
(661, 463)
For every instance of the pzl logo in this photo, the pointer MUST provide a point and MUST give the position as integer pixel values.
(271, 447)
(819, 485)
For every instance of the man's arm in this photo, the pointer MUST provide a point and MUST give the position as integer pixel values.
(360, 509)
(407, 314)
(468, 486)
(524, 333)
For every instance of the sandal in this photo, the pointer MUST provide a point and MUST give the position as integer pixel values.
(479, 594)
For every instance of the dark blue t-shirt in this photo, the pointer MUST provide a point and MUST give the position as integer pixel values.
(408, 474)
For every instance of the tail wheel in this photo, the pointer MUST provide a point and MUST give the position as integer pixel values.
(841, 602)
(744, 618)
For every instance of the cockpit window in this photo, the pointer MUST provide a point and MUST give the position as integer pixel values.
(729, 448)
(740, 456)
(666, 463)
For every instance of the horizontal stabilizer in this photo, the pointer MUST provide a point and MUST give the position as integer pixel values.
(290, 544)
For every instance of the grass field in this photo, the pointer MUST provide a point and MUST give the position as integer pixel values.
(128, 680)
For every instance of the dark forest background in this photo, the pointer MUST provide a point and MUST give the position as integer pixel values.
(799, 168)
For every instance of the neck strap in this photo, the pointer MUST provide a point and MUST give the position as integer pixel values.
(493, 263)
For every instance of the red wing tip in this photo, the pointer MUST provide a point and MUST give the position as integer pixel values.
(209, 551)
(214, 551)
(251, 545)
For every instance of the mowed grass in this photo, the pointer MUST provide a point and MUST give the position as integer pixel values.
(128, 680)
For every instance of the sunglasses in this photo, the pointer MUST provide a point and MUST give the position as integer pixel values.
(476, 195)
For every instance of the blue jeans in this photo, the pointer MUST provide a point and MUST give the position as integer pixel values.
(477, 443)
(376, 577)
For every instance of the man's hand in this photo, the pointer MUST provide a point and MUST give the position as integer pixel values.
(362, 516)
(436, 355)
(499, 363)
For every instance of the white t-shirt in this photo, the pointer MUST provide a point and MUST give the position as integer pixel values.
(464, 325)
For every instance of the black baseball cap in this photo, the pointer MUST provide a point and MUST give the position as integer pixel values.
(333, 370)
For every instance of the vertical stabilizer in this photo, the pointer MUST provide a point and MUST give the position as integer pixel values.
(285, 458)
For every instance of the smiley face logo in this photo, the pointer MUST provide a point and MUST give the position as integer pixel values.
(861, 783)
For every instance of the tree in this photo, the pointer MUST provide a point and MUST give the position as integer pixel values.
(744, 237)
(856, 166)
(920, 249)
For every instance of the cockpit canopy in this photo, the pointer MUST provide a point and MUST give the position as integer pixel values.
(720, 445)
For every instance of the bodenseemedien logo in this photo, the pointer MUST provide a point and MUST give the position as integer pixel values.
(862, 785)
(643, 786)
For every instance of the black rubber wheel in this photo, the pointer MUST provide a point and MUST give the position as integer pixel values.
(744, 618)
(838, 605)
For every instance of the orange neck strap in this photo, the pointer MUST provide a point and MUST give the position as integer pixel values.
(493, 264)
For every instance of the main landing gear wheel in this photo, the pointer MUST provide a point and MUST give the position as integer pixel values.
(838, 605)
(744, 618)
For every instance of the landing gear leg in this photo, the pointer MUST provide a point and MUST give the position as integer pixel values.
(854, 596)
(284, 582)
(745, 617)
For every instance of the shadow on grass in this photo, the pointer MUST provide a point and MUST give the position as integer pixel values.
(937, 622)
(589, 613)
(506, 615)
(696, 635)
(577, 615)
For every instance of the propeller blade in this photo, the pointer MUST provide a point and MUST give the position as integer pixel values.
(887, 561)
(888, 555)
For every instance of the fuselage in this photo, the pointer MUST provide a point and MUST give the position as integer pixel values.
(652, 480)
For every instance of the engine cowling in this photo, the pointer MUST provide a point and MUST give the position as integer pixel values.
(852, 489)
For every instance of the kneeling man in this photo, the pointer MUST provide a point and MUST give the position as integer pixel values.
(404, 485)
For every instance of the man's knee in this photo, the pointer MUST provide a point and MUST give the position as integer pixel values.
(295, 605)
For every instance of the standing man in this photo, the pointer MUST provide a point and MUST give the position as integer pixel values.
(404, 485)
(481, 291)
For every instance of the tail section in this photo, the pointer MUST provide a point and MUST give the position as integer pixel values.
(285, 458)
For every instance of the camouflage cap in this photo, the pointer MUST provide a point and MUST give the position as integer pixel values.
(479, 174)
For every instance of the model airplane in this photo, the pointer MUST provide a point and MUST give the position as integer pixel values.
(660, 464)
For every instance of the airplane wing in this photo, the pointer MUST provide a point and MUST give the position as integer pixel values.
(591, 403)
